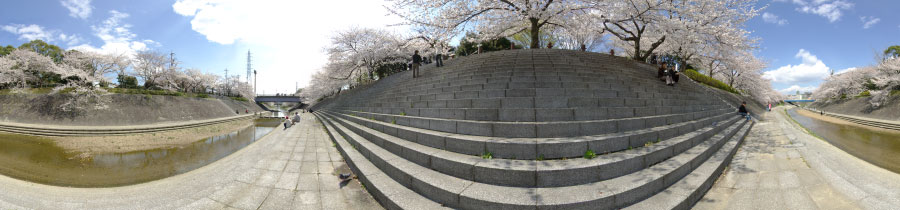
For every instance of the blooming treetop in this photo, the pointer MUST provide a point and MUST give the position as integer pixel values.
(491, 18)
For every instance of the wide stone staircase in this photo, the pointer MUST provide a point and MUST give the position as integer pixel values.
(534, 129)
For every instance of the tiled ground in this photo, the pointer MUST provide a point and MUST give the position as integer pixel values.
(768, 172)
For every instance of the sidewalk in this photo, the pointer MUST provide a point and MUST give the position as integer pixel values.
(288, 169)
(780, 167)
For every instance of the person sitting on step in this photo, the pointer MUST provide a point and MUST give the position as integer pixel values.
(743, 110)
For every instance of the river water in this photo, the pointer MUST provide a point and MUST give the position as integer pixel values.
(878, 147)
(38, 159)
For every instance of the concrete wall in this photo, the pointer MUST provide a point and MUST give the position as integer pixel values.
(860, 107)
(120, 110)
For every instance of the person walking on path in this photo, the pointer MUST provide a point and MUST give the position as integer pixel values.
(416, 61)
(743, 110)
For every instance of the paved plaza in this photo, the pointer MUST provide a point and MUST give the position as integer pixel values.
(780, 167)
(294, 168)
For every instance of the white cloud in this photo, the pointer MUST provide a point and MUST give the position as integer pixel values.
(844, 70)
(830, 9)
(794, 88)
(78, 8)
(117, 36)
(772, 18)
(33, 32)
(809, 70)
(287, 42)
(868, 21)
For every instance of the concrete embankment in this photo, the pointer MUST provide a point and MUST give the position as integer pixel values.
(860, 108)
(43, 130)
(117, 110)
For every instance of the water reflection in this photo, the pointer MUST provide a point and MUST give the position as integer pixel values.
(878, 147)
(39, 160)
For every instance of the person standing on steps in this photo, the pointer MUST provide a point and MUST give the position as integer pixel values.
(439, 59)
(743, 110)
(417, 60)
(661, 73)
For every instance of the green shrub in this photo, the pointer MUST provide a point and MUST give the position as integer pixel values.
(239, 98)
(712, 82)
(126, 81)
(201, 95)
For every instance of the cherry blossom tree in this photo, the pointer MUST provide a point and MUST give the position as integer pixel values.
(501, 18)
(97, 65)
(643, 26)
(362, 50)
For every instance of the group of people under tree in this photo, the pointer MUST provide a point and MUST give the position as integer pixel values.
(667, 73)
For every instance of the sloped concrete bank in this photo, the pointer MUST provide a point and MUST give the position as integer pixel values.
(860, 108)
(117, 110)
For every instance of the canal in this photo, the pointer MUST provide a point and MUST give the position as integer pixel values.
(40, 160)
(876, 146)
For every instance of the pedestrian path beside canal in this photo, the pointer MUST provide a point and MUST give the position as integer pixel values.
(294, 168)
(780, 167)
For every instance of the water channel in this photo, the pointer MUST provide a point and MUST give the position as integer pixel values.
(38, 159)
(875, 146)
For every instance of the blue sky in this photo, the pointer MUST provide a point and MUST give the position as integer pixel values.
(801, 39)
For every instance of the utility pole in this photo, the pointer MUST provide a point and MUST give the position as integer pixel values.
(171, 60)
(248, 66)
(227, 89)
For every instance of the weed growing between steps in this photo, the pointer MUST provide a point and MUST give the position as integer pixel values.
(487, 155)
(589, 154)
(540, 158)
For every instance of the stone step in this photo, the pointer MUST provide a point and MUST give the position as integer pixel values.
(537, 102)
(537, 129)
(546, 173)
(500, 82)
(533, 148)
(536, 114)
(489, 81)
(535, 92)
(686, 192)
(389, 193)
(608, 194)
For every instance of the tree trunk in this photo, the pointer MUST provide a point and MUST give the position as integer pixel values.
(535, 33)
(637, 49)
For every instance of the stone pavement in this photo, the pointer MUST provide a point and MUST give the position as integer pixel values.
(289, 169)
(780, 167)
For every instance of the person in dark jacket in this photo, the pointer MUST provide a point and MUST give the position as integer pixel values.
(743, 110)
(416, 62)
(439, 59)
(670, 74)
(661, 74)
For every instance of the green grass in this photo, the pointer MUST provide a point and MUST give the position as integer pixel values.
(239, 99)
(540, 158)
(487, 155)
(706, 80)
(895, 92)
(589, 154)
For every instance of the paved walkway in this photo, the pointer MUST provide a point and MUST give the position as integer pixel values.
(289, 169)
(780, 167)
